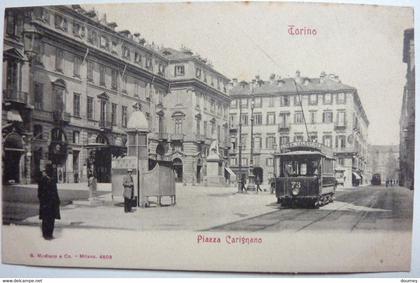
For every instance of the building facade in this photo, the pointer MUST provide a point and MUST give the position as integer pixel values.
(71, 80)
(383, 159)
(332, 111)
(407, 118)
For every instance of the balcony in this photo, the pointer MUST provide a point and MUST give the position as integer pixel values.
(284, 127)
(105, 125)
(200, 138)
(13, 95)
(340, 126)
(177, 137)
(61, 117)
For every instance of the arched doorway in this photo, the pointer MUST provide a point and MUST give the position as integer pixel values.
(258, 174)
(178, 168)
(12, 159)
(199, 173)
(160, 151)
(103, 160)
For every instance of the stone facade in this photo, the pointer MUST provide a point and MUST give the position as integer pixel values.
(383, 159)
(333, 112)
(71, 104)
(407, 118)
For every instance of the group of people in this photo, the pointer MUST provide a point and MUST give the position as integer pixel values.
(49, 201)
(242, 183)
(391, 182)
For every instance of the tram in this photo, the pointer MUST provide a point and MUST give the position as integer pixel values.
(306, 175)
(376, 179)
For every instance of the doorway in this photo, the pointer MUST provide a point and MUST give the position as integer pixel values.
(178, 168)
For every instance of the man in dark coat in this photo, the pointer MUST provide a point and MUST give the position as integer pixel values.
(49, 202)
(128, 192)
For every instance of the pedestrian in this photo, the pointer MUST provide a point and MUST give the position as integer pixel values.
(386, 183)
(258, 183)
(243, 182)
(49, 202)
(92, 184)
(128, 192)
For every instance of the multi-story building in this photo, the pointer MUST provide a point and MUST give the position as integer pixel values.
(71, 81)
(322, 110)
(407, 118)
(383, 159)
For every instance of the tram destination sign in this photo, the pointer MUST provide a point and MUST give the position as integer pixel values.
(306, 145)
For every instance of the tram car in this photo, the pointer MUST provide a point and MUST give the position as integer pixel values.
(306, 175)
(376, 179)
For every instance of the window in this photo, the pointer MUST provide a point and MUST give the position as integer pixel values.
(197, 124)
(257, 119)
(38, 132)
(269, 161)
(89, 108)
(232, 120)
(14, 24)
(93, 37)
(234, 104)
(327, 98)
(114, 114)
(312, 115)
(233, 161)
(104, 42)
(205, 128)
(212, 105)
(149, 64)
(179, 70)
(271, 101)
(341, 98)
(257, 142)
(212, 128)
(76, 137)
(39, 96)
(244, 103)
(244, 119)
(126, 52)
(103, 111)
(78, 30)
(114, 46)
(40, 51)
(198, 73)
(327, 117)
(340, 141)
(124, 84)
(114, 79)
(124, 116)
(244, 161)
(313, 99)
(271, 118)
(284, 100)
(258, 102)
(341, 161)
(298, 137)
(327, 140)
(161, 69)
(76, 104)
(284, 120)
(60, 22)
(270, 142)
(137, 58)
(77, 61)
(102, 75)
(341, 118)
(12, 75)
(59, 98)
(59, 60)
(90, 71)
(178, 126)
(313, 137)
(299, 117)
(284, 140)
(243, 141)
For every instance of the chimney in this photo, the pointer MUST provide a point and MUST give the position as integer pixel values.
(234, 82)
(257, 77)
(322, 77)
(298, 77)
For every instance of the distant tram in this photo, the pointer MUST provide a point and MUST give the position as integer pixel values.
(306, 175)
(376, 179)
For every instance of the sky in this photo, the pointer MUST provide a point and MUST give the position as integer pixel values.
(361, 44)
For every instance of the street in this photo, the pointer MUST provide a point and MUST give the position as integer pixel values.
(364, 208)
(222, 209)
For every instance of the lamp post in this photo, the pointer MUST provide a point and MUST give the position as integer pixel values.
(31, 39)
(251, 183)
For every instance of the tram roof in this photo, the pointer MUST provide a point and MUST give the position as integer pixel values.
(304, 152)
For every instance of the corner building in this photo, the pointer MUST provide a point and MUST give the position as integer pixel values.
(69, 88)
(332, 110)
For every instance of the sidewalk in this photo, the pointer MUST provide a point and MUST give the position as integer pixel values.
(197, 208)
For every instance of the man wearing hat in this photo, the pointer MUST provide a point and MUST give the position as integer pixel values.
(128, 193)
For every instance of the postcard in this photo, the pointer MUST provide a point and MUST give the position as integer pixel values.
(209, 136)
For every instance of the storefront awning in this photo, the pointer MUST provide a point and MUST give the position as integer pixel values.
(357, 176)
(230, 172)
(14, 116)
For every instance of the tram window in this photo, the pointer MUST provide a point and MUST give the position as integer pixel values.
(303, 170)
(306, 167)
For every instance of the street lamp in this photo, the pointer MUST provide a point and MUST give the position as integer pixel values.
(251, 183)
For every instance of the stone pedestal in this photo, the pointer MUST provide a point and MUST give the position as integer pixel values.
(213, 177)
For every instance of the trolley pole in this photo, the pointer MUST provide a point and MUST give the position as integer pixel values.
(251, 183)
(239, 177)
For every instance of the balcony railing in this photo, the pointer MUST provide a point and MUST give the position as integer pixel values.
(340, 125)
(283, 127)
(177, 137)
(105, 124)
(61, 116)
(15, 96)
